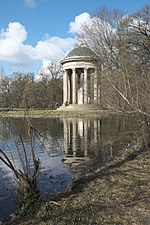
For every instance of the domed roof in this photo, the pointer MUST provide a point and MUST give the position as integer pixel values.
(81, 51)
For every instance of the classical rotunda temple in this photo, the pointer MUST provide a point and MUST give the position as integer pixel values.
(80, 83)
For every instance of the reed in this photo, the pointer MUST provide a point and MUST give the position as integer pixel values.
(26, 177)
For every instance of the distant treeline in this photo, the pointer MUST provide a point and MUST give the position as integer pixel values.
(24, 91)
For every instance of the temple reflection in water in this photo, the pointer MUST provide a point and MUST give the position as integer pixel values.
(91, 138)
(78, 136)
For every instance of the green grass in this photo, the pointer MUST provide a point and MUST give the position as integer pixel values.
(54, 113)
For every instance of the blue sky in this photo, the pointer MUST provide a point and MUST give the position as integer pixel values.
(35, 32)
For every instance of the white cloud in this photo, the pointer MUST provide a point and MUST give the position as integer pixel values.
(20, 55)
(15, 31)
(51, 49)
(76, 25)
(54, 48)
(30, 3)
(12, 48)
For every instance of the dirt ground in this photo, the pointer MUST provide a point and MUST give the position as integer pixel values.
(118, 193)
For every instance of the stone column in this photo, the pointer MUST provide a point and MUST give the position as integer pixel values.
(65, 87)
(74, 100)
(95, 88)
(85, 86)
(68, 82)
(99, 85)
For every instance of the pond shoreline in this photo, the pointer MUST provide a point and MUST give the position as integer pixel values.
(56, 113)
(116, 193)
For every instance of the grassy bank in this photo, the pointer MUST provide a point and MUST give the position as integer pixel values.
(117, 193)
(46, 113)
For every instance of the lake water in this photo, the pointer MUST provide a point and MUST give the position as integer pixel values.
(62, 144)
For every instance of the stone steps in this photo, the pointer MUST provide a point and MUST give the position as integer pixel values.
(74, 107)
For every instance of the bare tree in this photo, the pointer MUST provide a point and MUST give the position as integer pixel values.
(122, 43)
(52, 76)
